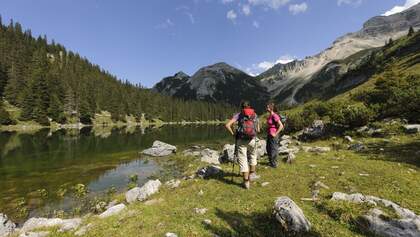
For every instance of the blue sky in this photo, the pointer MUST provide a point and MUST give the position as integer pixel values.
(145, 40)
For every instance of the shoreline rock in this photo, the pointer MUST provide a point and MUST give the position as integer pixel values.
(141, 194)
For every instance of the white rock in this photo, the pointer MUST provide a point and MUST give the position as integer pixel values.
(141, 194)
(169, 234)
(64, 225)
(290, 158)
(200, 211)
(348, 139)
(35, 234)
(265, 184)
(174, 183)
(6, 225)
(210, 156)
(112, 211)
(82, 231)
(160, 149)
(386, 227)
(356, 197)
(228, 153)
(316, 149)
(290, 216)
(207, 221)
(412, 128)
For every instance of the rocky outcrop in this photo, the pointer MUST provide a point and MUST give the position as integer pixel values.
(62, 224)
(141, 194)
(206, 155)
(290, 216)
(112, 211)
(6, 225)
(315, 131)
(316, 149)
(379, 223)
(160, 149)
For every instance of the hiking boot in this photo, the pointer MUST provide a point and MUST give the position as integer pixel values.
(254, 176)
(247, 184)
(273, 165)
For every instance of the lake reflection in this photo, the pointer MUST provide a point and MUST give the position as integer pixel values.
(99, 158)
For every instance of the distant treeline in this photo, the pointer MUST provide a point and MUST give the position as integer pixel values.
(47, 81)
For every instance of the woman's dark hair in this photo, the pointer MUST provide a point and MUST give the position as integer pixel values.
(245, 104)
(272, 106)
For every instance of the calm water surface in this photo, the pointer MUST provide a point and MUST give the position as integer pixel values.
(34, 168)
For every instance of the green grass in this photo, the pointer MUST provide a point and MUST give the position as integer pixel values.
(393, 174)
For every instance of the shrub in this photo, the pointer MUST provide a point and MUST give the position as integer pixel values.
(353, 115)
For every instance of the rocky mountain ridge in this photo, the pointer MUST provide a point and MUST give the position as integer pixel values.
(284, 82)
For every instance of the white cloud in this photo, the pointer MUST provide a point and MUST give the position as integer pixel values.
(355, 3)
(274, 4)
(167, 24)
(258, 68)
(246, 9)
(191, 17)
(298, 8)
(397, 9)
(231, 15)
(227, 1)
(256, 24)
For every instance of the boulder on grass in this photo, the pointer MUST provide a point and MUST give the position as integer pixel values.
(63, 224)
(160, 149)
(210, 156)
(315, 131)
(141, 194)
(379, 224)
(290, 216)
(112, 211)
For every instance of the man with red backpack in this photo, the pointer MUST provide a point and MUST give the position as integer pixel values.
(246, 140)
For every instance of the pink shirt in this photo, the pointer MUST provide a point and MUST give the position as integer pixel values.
(272, 122)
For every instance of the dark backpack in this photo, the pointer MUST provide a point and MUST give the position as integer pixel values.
(247, 124)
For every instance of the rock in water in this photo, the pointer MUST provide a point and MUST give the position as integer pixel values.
(290, 216)
(141, 194)
(112, 211)
(6, 225)
(379, 224)
(412, 128)
(160, 149)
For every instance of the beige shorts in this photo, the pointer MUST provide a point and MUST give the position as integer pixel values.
(247, 154)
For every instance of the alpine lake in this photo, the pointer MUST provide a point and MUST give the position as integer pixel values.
(70, 172)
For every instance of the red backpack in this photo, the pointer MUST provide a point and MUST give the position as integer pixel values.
(247, 124)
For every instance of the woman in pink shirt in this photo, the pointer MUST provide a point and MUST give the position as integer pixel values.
(274, 127)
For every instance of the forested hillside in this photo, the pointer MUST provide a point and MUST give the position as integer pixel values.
(49, 83)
